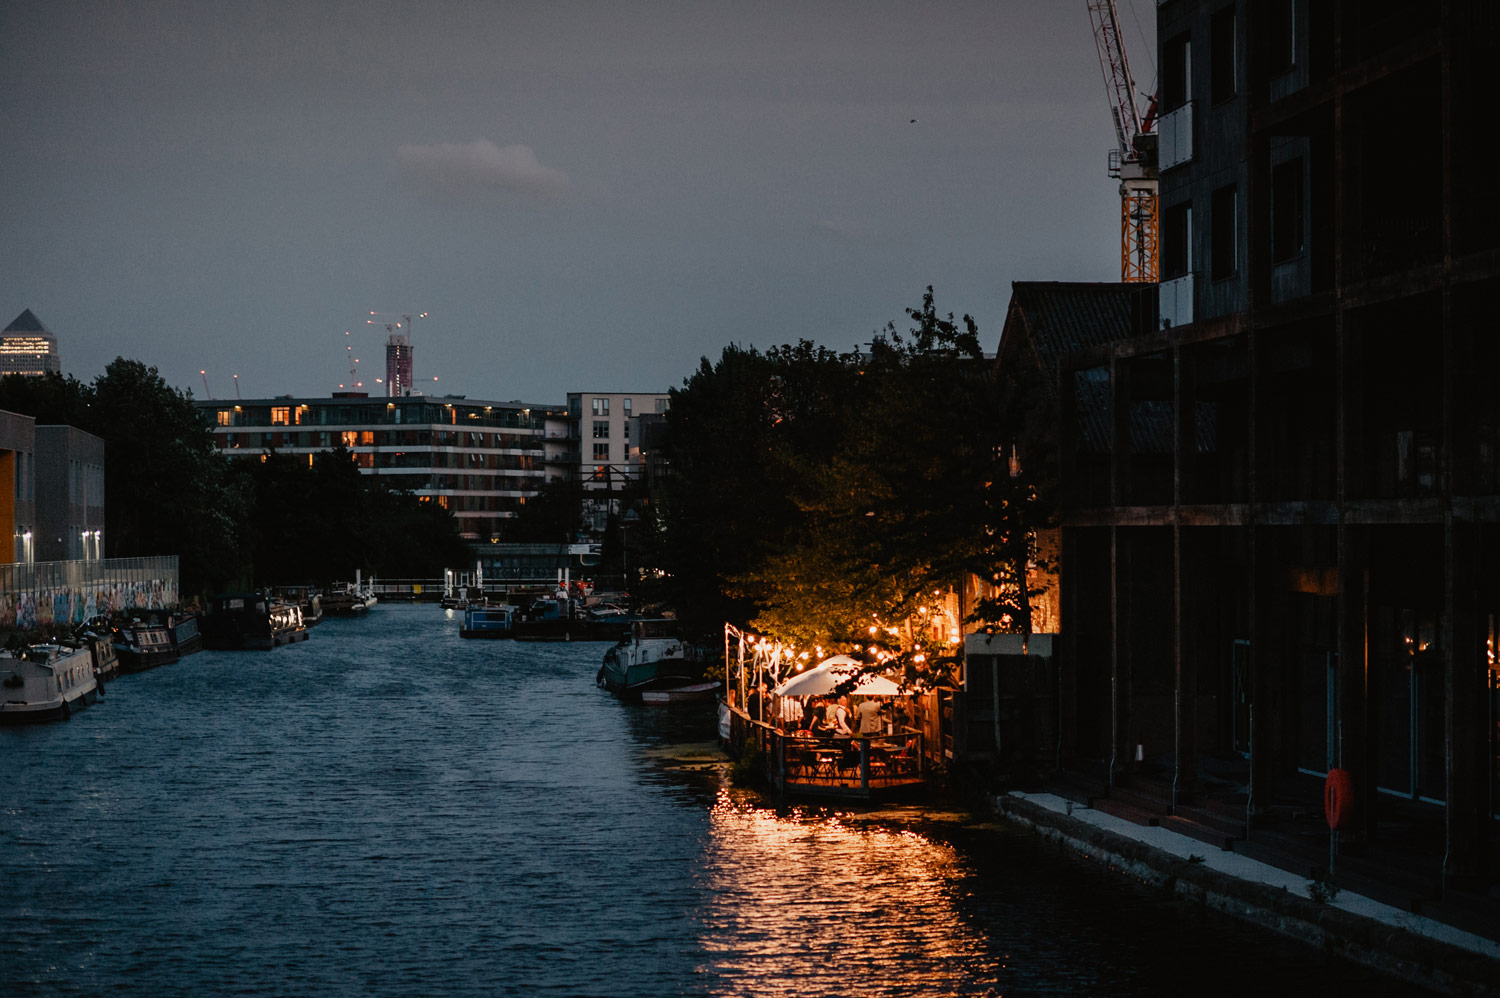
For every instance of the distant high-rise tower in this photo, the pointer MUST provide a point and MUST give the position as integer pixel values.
(27, 347)
(398, 364)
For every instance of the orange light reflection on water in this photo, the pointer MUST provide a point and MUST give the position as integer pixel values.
(807, 903)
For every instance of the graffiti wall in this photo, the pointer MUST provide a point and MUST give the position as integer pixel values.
(70, 592)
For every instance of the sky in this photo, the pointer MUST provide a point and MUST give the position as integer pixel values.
(580, 196)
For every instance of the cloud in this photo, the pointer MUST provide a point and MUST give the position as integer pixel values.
(845, 228)
(480, 167)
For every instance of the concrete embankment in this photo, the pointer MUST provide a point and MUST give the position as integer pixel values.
(1426, 953)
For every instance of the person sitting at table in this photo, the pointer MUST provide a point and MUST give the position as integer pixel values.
(813, 717)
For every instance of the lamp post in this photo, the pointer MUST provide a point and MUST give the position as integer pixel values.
(627, 519)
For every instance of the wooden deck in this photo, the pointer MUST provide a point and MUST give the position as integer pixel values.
(877, 767)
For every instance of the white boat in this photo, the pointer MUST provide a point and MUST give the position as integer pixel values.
(46, 683)
(648, 656)
(684, 692)
(345, 599)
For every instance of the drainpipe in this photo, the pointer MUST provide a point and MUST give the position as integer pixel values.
(995, 700)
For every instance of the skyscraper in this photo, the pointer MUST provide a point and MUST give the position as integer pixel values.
(28, 347)
(398, 365)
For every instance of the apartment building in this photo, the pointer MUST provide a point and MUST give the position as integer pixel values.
(481, 460)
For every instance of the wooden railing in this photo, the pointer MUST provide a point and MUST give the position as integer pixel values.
(852, 762)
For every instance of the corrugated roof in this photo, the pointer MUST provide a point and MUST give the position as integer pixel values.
(1061, 317)
(27, 322)
(1048, 320)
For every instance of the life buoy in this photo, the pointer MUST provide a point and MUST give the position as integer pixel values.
(1338, 799)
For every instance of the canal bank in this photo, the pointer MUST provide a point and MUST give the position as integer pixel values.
(1410, 947)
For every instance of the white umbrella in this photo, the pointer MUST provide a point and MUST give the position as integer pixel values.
(821, 679)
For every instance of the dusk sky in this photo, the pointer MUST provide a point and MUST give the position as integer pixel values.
(582, 196)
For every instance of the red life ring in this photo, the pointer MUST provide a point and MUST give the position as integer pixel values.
(1338, 799)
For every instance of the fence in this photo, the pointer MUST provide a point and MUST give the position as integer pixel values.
(70, 592)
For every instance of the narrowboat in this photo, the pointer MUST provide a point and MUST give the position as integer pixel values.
(45, 683)
(251, 621)
(145, 643)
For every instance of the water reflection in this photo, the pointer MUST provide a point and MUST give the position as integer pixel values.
(798, 904)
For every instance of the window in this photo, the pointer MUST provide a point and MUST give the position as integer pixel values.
(601, 452)
(349, 438)
(1281, 37)
(226, 417)
(1223, 217)
(1176, 231)
(661, 404)
(1286, 209)
(601, 429)
(627, 429)
(601, 407)
(281, 415)
(1176, 73)
(627, 408)
(1221, 68)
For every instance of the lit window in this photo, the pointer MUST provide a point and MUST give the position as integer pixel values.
(281, 415)
(226, 417)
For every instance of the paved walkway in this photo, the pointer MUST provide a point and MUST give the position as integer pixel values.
(1421, 949)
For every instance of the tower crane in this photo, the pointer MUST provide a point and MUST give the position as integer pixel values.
(1133, 160)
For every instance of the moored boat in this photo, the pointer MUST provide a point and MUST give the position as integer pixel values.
(649, 656)
(251, 621)
(46, 683)
(145, 643)
(186, 637)
(97, 636)
(684, 692)
(487, 620)
(347, 599)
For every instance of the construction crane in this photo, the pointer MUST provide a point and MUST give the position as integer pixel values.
(1133, 160)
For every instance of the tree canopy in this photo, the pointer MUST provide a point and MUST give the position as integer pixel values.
(815, 495)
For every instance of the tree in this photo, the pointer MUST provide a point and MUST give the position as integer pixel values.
(168, 489)
(316, 522)
(899, 511)
(732, 432)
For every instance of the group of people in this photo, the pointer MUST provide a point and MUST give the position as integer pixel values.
(829, 716)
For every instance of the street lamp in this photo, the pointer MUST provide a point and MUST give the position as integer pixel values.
(627, 519)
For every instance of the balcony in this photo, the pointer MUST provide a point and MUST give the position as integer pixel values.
(1176, 137)
(1176, 301)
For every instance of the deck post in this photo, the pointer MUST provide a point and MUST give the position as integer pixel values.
(864, 763)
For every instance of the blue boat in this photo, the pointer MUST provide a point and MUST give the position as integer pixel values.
(487, 620)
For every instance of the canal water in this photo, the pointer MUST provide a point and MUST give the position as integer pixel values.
(386, 809)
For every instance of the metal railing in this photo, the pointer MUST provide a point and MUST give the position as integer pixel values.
(69, 592)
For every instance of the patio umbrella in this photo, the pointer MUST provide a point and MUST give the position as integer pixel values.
(821, 679)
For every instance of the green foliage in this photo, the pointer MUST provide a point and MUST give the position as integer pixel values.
(814, 494)
(554, 514)
(1322, 891)
(316, 525)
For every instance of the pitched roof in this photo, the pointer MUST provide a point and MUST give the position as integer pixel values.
(27, 322)
(1061, 317)
(1048, 320)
